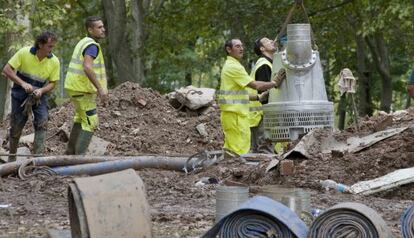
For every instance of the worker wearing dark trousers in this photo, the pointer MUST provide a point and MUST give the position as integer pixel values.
(85, 80)
(34, 72)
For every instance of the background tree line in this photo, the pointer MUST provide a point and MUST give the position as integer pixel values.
(165, 44)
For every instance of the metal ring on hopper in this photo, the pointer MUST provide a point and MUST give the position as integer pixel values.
(259, 217)
(289, 65)
(407, 223)
(349, 220)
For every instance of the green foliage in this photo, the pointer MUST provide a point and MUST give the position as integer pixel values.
(184, 40)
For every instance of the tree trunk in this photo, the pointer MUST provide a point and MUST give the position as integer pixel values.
(364, 76)
(381, 58)
(124, 48)
(137, 36)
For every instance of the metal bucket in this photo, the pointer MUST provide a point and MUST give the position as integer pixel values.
(110, 205)
(229, 198)
(298, 200)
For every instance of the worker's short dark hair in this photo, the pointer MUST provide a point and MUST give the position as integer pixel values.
(43, 38)
(257, 45)
(228, 43)
(89, 21)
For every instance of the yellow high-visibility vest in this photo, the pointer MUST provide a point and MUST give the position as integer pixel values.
(76, 79)
(256, 113)
(233, 96)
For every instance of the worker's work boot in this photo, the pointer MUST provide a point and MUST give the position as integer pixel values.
(14, 136)
(74, 134)
(83, 142)
(13, 144)
(39, 142)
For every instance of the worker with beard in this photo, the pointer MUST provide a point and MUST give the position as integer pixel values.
(262, 71)
(85, 80)
(233, 99)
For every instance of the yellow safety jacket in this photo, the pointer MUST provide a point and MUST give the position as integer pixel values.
(76, 79)
(256, 113)
(233, 96)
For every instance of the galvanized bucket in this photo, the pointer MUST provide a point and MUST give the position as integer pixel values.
(297, 199)
(229, 198)
(109, 205)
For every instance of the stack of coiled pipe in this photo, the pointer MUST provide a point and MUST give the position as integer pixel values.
(349, 220)
(407, 223)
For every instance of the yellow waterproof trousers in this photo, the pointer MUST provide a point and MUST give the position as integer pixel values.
(85, 109)
(236, 130)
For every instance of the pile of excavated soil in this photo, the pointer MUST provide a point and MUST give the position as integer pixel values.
(386, 156)
(141, 121)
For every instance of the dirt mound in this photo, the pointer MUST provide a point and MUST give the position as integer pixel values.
(386, 156)
(141, 121)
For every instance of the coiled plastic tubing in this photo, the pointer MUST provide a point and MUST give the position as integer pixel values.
(260, 217)
(349, 220)
(407, 223)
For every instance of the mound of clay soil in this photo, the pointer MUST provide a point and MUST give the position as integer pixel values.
(140, 121)
(386, 156)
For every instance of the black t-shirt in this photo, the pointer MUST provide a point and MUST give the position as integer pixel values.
(264, 73)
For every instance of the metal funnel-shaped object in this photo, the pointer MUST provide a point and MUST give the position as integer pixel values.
(300, 104)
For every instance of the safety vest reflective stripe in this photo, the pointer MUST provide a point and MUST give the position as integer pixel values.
(231, 92)
(76, 79)
(34, 77)
(81, 72)
(233, 101)
(78, 61)
(255, 109)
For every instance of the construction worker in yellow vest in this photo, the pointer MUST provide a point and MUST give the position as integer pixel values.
(233, 99)
(85, 80)
(262, 71)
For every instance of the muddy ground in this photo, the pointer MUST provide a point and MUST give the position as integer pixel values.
(141, 121)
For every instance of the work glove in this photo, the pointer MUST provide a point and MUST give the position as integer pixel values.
(264, 97)
(279, 77)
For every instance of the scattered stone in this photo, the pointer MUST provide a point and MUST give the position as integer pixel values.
(201, 128)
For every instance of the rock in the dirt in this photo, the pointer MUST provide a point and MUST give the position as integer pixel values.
(23, 151)
(98, 146)
(201, 128)
(28, 139)
(193, 97)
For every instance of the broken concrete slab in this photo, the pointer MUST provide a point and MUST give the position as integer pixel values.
(309, 143)
(273, 163)
(27, 139)
(386, 182)
(53, 233)
(98, 146)
(304, 146)
(357, 144)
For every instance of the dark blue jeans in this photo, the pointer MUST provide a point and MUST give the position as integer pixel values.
(19, 118)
